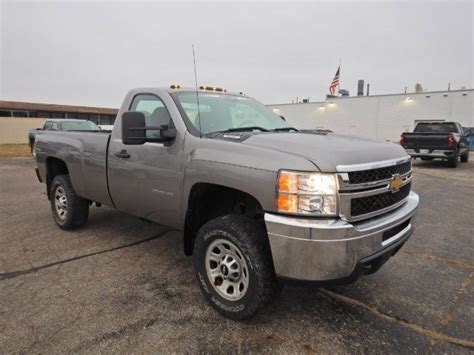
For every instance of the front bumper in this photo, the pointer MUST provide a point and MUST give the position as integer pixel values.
(333, 249)
(436, 153)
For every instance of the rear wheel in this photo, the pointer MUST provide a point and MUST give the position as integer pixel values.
(453, 162)
(69, 210)
(234, 267)
(465, 158)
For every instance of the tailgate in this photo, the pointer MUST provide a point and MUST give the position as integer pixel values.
(429, 141)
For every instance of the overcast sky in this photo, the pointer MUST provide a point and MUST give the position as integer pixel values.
(91, 53)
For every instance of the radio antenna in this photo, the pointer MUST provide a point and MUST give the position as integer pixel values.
(197, 93)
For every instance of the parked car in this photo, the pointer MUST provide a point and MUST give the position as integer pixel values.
(64, 124)
(258, 201)
(437, 140)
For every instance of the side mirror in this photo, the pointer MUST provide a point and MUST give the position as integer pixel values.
(168, 133)
(133, 128)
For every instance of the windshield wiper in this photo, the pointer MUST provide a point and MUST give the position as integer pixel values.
(284, 129)
(243, 129)
(240, 129)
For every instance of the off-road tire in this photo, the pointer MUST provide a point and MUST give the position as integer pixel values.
(77, 210)
(249, 236)
(465, 158)
(453, 162)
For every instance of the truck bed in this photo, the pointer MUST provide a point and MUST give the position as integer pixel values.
(85, 154)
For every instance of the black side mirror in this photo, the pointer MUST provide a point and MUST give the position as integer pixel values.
(133, 128)
(167, 133)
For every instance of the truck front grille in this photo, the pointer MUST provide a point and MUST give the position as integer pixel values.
(369, 204)
(359, 177)
(366, 192)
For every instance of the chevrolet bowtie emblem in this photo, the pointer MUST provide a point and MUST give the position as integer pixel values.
(395, 183)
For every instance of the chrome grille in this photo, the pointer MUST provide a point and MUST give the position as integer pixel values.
(364, 189)
(369, 204)
(359, 177)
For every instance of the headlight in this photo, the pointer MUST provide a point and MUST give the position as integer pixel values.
(307, 193)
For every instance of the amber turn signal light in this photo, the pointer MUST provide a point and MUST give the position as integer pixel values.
(287, 203)
(287, 182)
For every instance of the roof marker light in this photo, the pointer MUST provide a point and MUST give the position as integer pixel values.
(212, 88)
(175, 86)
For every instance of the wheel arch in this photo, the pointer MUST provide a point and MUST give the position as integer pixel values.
(207, 201)
(54, 167)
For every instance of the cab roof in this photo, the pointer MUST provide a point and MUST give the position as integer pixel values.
(171, 90)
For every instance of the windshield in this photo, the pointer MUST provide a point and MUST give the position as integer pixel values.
(79, 126)
(436, 127)
(220, 112)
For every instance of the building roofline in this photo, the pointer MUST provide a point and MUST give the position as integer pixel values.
(30, 106)
(373, 96)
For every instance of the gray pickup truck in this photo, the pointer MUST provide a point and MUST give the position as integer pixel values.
(258, 202)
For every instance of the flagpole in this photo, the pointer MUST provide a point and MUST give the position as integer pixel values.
(339, 85)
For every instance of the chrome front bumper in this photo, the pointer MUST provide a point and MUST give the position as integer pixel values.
(437, 153)
(333, 249)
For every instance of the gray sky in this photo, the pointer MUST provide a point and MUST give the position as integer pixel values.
(92, 53)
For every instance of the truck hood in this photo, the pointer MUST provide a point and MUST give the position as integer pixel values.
(328, 151)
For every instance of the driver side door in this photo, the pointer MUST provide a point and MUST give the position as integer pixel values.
(146, 180)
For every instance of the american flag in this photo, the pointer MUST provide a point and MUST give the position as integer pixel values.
(335, 83)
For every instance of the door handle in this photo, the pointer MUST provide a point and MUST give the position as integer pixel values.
(122, 154)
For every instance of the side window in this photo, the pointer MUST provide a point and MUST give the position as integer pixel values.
(55, 126)
(47, 125)
(155, 112)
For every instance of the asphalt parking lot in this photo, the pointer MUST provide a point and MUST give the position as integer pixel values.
(123, 285)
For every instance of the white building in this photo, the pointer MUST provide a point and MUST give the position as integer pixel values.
(380, 117)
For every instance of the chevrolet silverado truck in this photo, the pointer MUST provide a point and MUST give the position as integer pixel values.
(257, 201)
(437, 140)
(60, 124)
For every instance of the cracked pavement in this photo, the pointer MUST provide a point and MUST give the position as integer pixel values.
(124, 285)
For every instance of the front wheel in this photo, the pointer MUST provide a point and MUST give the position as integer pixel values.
(69, 210)
(234, 267)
